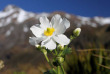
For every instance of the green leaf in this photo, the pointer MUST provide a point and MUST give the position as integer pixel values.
(65, 51)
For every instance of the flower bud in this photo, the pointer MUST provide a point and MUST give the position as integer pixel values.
(77, 31)
(60, 59)
(61, 47)
(37, 46)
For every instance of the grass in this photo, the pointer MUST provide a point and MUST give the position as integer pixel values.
(88, 61)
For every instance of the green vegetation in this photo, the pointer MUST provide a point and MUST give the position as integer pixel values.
(88, 62)
(19, 72)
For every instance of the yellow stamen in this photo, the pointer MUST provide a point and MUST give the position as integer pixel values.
(49, 31)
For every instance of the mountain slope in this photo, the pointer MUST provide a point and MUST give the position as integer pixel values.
(15, 23)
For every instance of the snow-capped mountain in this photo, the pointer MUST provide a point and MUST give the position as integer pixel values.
(94, 22)
(15, 23)
(17, 15)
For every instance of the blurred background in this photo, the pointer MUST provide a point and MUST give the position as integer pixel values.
(90, 50)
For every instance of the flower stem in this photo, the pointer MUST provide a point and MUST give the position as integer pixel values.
(49, 62)
(58, 69)
(62, 69)
(72, 37)
(56, 51)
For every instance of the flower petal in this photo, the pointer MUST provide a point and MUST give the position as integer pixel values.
(56, 20)
(49, 43)
(34, 41)
(44, 22)
(62, 39)
(61, 28)
(36, 31)
(66, 23)
(59, 24)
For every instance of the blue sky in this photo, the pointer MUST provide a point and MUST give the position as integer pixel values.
(89, 8)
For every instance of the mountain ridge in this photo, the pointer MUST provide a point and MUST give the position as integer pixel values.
(16, 22)
(12, 12)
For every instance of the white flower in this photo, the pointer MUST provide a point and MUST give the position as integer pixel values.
(48, 33)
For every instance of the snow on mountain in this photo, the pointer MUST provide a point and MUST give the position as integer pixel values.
(12, 12)
(17, 15)
(8, 11)
(86, 21)
(5, 14)
(67, 15)
(94, 22)
(9, 31)
(102, 20)
(25, 28)
(42, 14)
(22, 16)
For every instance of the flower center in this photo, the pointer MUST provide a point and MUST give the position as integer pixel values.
(49, 31)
